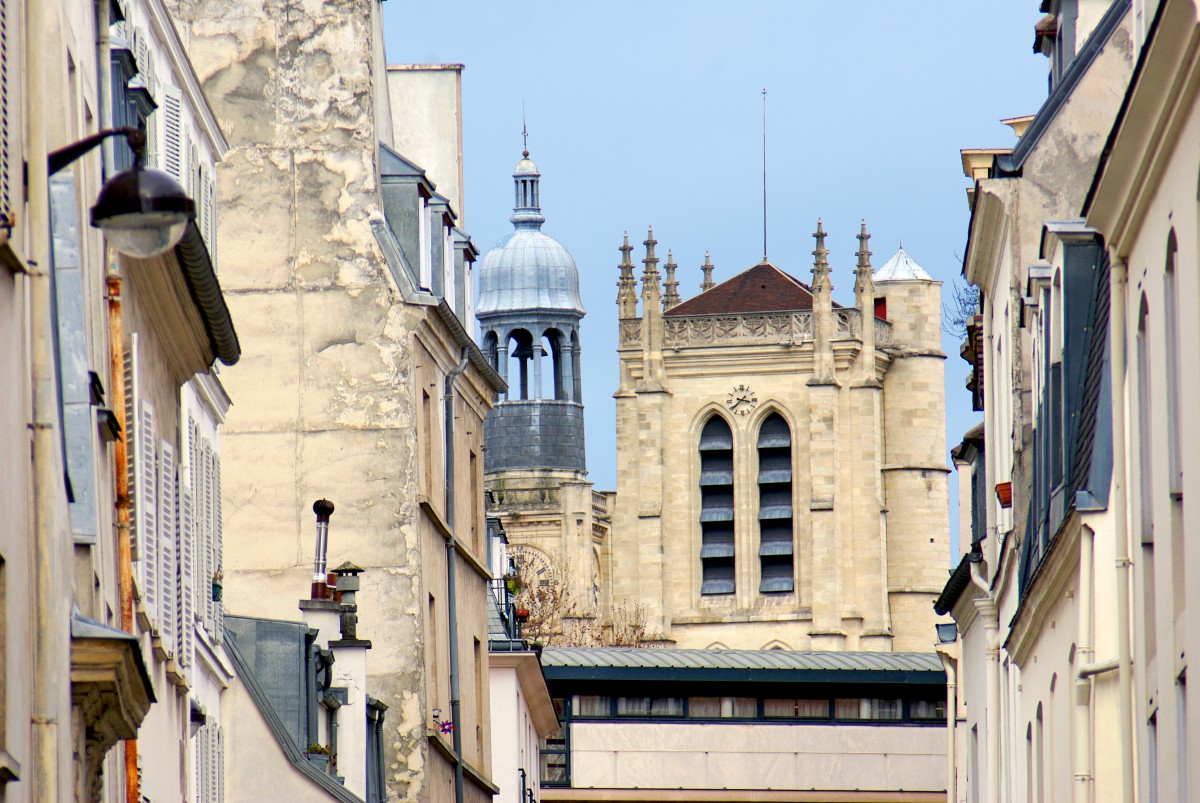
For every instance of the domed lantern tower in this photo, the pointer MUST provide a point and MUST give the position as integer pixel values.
(529, 312)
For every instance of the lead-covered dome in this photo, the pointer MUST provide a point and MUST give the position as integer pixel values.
(528, 269)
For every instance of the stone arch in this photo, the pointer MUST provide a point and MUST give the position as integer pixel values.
(716, 645)
(776, 644)
(554, 381)
(491, 344)
(717, 510)
(520, 347)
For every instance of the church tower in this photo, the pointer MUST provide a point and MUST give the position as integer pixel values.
(529, 312)
(783, 473)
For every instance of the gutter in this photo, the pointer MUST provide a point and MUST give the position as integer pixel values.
(205, 291)
(279, 730)
(451, 560)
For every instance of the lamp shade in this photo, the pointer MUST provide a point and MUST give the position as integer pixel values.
(143, 212)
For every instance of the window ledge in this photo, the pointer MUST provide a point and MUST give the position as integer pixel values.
(10, 768)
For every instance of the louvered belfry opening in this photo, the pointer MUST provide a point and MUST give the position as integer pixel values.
(775, 545)
(716, 508)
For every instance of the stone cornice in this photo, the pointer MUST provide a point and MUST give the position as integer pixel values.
(765, 328)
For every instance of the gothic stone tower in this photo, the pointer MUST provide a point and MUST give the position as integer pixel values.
(785, 481)
(529, 312)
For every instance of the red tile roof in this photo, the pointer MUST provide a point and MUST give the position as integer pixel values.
(763, 288)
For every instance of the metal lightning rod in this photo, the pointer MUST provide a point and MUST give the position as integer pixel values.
(764, 94)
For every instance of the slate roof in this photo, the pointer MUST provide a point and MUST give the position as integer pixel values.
(647, 657)
(901, 267)
(762, 288)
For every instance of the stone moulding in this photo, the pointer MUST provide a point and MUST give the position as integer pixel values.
(771, 328)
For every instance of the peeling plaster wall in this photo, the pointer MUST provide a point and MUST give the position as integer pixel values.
(324, 391)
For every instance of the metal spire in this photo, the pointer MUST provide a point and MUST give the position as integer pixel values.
(524, 133)
(764, 96)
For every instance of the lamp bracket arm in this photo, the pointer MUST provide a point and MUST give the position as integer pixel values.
(64, 156)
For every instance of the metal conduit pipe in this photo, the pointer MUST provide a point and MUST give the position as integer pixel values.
(991, 624)
(451, 586)
(45, 456)
(951, 668)
(1118, 285)
(1084, 775)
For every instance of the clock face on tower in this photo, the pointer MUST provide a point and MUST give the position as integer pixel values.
(531, 564)
(741, 400)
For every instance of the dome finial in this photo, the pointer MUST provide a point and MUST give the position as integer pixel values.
(524, 133)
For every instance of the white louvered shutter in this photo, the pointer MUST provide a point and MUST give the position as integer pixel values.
(220, 797)
(187, 550)
(205, 579)
(212, 762)
(131, 439)
(168, 526)
(172, 131)
(210, 202)
(218, 551)
(147, 482)
(10, 109)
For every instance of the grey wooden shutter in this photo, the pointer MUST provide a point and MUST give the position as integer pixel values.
(205, 547)
(168, 526)
(10, 109)
(220, 798)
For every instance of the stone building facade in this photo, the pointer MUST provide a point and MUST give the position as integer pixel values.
(363, 384)
(785, 482)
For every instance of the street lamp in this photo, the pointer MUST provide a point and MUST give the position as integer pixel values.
(142, 212)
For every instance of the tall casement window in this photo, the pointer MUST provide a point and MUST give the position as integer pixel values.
(775, 550)
(716, 508)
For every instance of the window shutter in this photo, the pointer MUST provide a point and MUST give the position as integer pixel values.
(210, 215)
(168, 525)
(218, 553)
(220, 796)
(187, 541)
(199, 774)
(147, 484)
(131, 438)
(205, 546)
(10, 111)
(172, 144)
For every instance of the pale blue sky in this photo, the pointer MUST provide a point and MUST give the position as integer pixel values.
(649, 113)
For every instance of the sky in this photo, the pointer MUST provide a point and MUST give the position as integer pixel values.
(650, 114)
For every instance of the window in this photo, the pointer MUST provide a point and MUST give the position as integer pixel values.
(775, 547)
(867, 708)
(716, 508)
(722, 707)
(796, 709)
(649, 706)
(554, 753)
(592, 706)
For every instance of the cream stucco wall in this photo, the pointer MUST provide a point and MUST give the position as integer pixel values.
(757, 756)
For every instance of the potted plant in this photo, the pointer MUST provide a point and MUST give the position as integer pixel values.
(513, 582)
(319, 756)
(218, 587)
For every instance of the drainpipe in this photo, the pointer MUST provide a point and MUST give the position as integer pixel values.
(104, 78)
(116, 370)
(1083, 683)
(1118, 282)
(49, 621)
(991, 626)
(951, 667)
(451, 586)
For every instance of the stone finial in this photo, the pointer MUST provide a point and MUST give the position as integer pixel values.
(707, 267)
(627, 284)
(651, 261)
(651, 292)
(820, 254)
(671, 296)
(864, 277)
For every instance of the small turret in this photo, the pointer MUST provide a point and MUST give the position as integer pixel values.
(822, 290)
(627, 284)
(864, 299)
(671, 297)
(707, 283)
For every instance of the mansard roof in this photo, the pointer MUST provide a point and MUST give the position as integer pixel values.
(762, 288)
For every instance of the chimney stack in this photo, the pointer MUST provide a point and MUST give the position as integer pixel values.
(320, 580)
